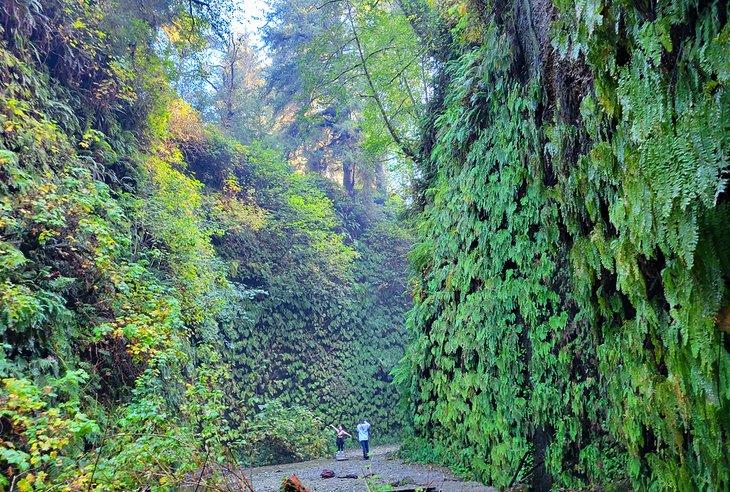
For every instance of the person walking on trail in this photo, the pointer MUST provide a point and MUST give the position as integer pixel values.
(341, 433)
(363, 429)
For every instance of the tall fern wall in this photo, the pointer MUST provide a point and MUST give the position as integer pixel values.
(571, 316)
(325, 326)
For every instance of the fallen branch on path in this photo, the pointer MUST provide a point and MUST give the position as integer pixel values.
(414, 488)
(292, 484)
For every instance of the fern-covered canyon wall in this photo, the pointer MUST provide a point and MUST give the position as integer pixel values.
(571, 298)
(324, 325)
(172, 294)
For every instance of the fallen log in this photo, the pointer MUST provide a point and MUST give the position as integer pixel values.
(414, 488)
(292, 484)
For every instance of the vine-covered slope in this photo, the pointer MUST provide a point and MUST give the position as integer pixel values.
(571, 298)
(169, 298)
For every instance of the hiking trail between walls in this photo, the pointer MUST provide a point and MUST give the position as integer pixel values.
(383, 468)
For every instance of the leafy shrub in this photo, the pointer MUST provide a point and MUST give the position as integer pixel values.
(284, 434)
(47, 428)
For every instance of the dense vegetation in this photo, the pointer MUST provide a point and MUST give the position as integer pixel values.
(571, 298)
(173, 291)
(203, 249)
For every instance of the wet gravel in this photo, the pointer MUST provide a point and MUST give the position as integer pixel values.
(382, 467)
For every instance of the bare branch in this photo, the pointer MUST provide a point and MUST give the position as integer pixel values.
(405, 67)
(327, 3)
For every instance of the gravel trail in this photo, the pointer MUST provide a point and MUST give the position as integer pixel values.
(382, 464)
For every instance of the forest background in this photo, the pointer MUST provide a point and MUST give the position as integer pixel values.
(204, 255)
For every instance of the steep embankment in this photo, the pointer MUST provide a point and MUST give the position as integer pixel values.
(570, 319)
(107, 274)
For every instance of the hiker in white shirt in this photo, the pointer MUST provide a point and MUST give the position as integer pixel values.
(362, 434)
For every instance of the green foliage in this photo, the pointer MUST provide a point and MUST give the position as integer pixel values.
(159, 280)
(662, 177)
(395, 73)
(154, 442)
(325, 327)
(284, 434)
(570, 280)
(490, 318)
(351, 82)
(178, 221)
(109, 280)
(48, 422)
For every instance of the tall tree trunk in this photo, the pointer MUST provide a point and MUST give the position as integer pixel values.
(348, 176)
(542, 481)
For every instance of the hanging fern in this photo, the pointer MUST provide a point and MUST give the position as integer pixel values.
(567, 302)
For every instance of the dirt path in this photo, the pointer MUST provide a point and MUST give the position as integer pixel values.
(385, 468)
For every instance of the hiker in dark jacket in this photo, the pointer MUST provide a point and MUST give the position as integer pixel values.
(341, 433)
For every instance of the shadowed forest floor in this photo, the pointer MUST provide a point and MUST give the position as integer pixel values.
(387, 470)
